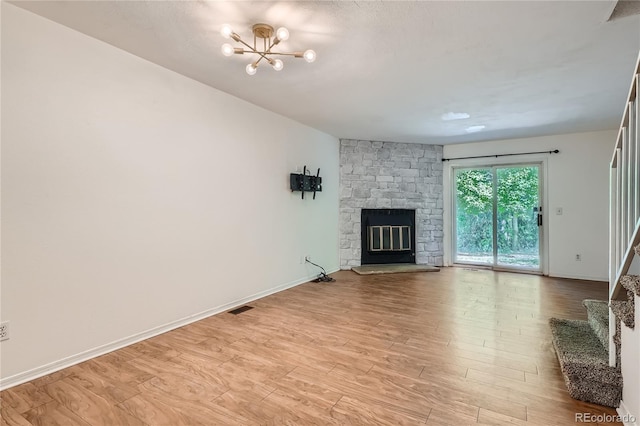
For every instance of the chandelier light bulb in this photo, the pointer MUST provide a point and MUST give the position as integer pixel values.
(277, 64)
(227, 49)
(282, 33)
(309, 55)
(251, 69)
(226, 31)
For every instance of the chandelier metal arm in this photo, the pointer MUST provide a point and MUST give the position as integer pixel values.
(253, 50)
(273, 43)
(265, 54)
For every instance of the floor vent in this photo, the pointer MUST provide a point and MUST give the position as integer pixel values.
(240, 310)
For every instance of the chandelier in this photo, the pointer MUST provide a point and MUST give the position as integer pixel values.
(265, 38)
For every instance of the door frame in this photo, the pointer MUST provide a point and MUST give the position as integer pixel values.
(450, 243)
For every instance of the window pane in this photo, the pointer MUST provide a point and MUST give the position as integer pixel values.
(474, 216)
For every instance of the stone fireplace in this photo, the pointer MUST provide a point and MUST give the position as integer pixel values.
(390, 176)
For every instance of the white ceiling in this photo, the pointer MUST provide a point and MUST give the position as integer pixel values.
(388, 70)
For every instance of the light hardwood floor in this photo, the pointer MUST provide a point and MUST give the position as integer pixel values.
(454, 347)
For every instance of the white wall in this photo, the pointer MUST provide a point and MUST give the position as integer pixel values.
(576, 180)
(134, 198)
(630, 354)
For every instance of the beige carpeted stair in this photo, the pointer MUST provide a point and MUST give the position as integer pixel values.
(598, 319)
(582, 347)
(582, 350)
(625, 309)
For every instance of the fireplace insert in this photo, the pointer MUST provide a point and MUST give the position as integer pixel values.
(388, 236)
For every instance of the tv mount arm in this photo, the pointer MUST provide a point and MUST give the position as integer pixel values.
(304, 174)
(306, 183)
(315, 187)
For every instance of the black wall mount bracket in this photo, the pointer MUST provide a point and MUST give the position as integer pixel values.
(304, 182)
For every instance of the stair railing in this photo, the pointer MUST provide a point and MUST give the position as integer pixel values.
(624, 197)
(624, 213)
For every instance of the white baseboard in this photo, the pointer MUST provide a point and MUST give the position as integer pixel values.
(626, 417)
(577, 277)
(69, 361)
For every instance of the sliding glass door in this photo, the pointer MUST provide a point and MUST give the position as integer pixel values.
(498, 216)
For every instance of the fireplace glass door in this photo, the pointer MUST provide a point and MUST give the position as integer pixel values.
(389, 238)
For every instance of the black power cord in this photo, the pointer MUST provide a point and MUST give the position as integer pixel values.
(323, 277)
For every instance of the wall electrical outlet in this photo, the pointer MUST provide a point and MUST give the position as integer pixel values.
(4, 331)
(578, 257)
